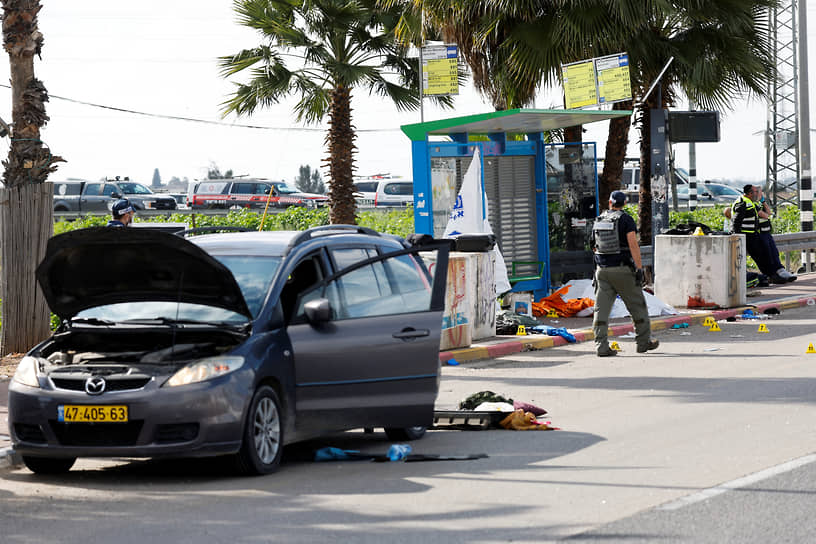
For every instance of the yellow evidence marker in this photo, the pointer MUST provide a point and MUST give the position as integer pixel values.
(763, 328)
(552, 313)
(615, 346)
(708, 321)
(521, 331)
(810, 348)
(714, 327)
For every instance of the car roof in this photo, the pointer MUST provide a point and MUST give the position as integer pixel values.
(278, 243)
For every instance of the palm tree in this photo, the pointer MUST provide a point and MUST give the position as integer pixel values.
(721, 51)
(321, 50)
(27, 213)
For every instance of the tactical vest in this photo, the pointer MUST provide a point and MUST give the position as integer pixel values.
(607, 233)
(750, 220)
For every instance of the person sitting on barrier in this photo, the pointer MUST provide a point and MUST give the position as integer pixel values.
(618, 272)
(751, 217)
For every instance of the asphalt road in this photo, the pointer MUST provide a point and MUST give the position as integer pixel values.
(709, 439)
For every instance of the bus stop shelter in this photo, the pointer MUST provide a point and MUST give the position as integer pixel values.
(542, 197)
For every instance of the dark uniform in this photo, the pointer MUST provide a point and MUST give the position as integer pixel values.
(745, 220)
(615, 275)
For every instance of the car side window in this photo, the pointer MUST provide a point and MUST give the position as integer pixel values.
(391, 286)
(93, 189)
(243, 188)
(262, 189)
(109, 189)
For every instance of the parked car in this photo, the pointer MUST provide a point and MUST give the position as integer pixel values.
(384, 192)
(98, 196)
(181, 201)
(227, 344)
(711, 193)
(252, 194)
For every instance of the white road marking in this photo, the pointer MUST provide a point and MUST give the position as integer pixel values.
(738, 483)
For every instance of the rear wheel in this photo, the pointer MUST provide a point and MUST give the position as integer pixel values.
(49, 465)
(405, 433)
(262, 444)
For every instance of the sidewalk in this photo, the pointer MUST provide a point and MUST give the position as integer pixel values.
(781, 297)
(802, 292)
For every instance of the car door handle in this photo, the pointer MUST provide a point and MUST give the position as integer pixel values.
(410, 334)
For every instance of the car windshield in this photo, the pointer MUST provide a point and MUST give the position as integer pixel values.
(153, 310)
(254, 275)
(284, 189)
(135, 189)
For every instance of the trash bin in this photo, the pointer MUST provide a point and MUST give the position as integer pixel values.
(700, 271)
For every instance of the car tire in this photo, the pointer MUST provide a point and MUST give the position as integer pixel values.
(399, 434)
(262, 444)
(49, 465)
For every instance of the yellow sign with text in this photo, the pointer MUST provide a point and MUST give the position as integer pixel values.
(579, 84)
(614, 84)
(440, 70)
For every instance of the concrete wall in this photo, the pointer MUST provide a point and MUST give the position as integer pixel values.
(700, 271)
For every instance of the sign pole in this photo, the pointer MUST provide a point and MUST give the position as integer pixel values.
(421, 85)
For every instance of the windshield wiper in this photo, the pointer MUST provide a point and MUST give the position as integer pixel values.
(91, 321)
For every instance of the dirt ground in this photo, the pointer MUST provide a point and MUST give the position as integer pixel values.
(8, 364)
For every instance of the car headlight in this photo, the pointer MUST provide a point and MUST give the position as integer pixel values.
(27, 372)
(206, 369)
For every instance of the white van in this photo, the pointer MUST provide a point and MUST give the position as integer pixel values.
(384, 192)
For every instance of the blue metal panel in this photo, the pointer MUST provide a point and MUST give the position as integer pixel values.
(423, 220)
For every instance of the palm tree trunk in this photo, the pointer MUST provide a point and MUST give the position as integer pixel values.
(645, 195)
(340, 142)
(616, 144)
(26, 202)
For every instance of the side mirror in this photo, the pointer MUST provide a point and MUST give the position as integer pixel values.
(116, 195)
(318, 311)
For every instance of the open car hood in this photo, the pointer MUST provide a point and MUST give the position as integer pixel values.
(104, 265)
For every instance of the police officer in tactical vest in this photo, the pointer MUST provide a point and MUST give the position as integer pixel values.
(618, 271)
(751, 216)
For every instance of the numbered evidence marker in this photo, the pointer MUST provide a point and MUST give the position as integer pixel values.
(552, 313)
(708, 321)
(763, 328)
(615, 346)
(521, 331)
(810, 348)
(714, 327)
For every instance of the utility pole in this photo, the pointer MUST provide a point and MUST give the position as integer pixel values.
(805, 186)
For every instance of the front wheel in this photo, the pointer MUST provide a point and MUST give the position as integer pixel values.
(399, 434)
(262, 444)
(49, 465)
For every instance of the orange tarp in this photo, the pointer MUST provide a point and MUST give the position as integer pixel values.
(564, 308)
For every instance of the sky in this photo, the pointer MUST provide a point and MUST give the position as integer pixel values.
(159, 58)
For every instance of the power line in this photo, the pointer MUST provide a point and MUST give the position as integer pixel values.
(205, 121)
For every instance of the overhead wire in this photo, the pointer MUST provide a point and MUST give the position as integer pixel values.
(205, 121)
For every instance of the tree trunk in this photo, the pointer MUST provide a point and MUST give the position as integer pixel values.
(26, 202)
(340, 142)
(616, 144)
(26, 224)
(645, 195)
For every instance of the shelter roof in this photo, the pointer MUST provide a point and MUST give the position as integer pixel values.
(517, 121)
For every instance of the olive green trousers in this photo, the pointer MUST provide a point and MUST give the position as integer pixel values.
(609, 283)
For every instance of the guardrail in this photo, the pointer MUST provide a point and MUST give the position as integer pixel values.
(580, 262)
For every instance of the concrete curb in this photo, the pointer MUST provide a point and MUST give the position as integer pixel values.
(9, 459)
(531, 343)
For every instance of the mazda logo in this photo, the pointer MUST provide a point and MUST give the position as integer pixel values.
(95, 385)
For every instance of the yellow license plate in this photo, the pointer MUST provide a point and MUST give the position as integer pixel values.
(78, 413)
